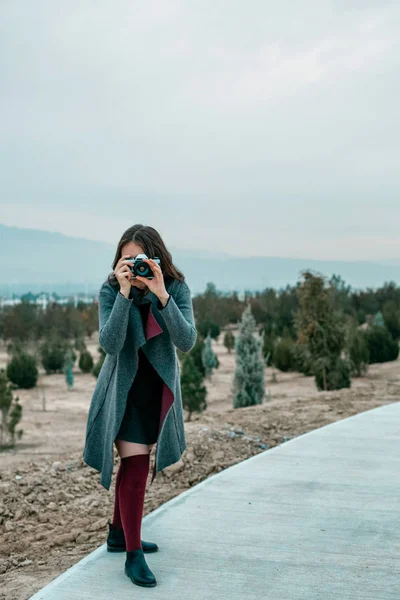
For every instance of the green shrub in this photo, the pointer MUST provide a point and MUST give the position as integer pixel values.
(86, 362)
(209, 357)
(302, 359)
(268, 348)
(391, 316)
(358, 352)
(284, 358)
(53, 352)
(196, 353)
(208, 327)
(229, 340)
(194, 392)
(336, 374)
(22, 370)
(381, 345)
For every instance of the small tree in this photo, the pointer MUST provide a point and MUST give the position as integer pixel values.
(391, 317)
(303, 360)
(86, 362)
(379, 320)
(11, 410)
(322, 328)
(332, 373)
(22, 370)
(229, 341)
(268, 349)
(208, 357)
(382, 347)
(194, 392)
(68, 364)
(53, 352)
(357, 351)
(284, 357)
(208, 327)
(248, 382)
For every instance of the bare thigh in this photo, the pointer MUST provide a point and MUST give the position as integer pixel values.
(129, 448)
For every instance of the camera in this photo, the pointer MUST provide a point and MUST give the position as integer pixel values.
(142, 268)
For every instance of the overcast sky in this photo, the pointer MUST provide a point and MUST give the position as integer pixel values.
(257, 127)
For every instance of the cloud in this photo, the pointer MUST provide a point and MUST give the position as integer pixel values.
(208, 115)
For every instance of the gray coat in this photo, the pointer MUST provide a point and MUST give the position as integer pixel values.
(121, 334)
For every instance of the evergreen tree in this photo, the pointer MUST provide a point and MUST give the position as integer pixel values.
(194, 392)
(303, 360)
(208, 327)
(10, 410)
(86, 362)
(68, 364)
(268, 349)
(357, 351)
(321, 327)
(208, 357)
(284, 355)
(248, 382)
(381, 346)
(196, 353)
(229, 341)
(391, 317)
(22, 370)
(53, 352)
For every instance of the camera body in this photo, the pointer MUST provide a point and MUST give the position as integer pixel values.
(142, 268)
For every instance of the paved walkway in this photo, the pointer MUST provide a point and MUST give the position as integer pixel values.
(317, 517)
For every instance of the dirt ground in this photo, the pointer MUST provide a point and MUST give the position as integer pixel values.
(53, 510)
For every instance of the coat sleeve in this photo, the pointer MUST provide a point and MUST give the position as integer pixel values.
(113, 320)
(179, 318)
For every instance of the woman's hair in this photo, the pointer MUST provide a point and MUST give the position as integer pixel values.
(150, 240)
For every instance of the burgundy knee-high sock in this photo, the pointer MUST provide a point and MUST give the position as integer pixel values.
(132, 489)
(117, 515)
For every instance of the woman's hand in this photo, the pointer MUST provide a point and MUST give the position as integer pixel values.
(155, 285)
(123, 273)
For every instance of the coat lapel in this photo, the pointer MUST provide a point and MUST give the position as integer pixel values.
(153, 327)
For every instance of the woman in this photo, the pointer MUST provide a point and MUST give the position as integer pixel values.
(137, 399)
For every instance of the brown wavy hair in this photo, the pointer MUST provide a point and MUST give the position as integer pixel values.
(152, 243)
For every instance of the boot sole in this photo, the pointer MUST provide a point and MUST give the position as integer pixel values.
(138, 582)
(123, 549)
(115, 549)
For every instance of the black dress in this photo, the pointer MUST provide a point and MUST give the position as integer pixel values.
(143, 405)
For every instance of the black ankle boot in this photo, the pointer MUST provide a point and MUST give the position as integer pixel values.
(137, 569)
(116, 540)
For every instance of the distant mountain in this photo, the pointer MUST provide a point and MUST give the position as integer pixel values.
(35, 260)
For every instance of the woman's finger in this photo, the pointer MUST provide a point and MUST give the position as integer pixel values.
(120, 261)
(155, 265)
(123, 270)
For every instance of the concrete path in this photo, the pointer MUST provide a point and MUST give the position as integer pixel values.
(317, 517)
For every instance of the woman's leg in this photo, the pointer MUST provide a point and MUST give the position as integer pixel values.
(135, 460)
(124, 449)
(129, 448)
(116, 522)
